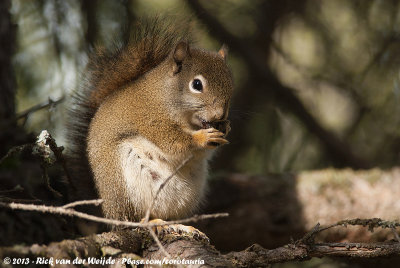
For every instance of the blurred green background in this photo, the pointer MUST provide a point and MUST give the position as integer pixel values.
(317, 82)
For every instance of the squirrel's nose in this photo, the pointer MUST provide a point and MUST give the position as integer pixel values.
(219, 114)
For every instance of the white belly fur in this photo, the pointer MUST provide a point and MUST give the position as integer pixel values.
(145, 167)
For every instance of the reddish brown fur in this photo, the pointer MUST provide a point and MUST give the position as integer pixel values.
(107, 71)
(141, 91)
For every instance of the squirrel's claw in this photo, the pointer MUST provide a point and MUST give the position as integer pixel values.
(209, 138)
(178, 229)
(213, 143)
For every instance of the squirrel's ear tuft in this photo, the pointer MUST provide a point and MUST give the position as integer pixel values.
(223, 52)
(180, 53)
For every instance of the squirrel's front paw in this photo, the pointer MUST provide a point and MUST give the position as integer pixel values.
(209, 138)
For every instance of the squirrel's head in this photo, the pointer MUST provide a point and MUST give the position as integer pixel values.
(203, 84)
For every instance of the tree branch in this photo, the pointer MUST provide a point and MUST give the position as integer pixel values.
(256, 255)
(67, 211)
(124, 242)
(162, 185)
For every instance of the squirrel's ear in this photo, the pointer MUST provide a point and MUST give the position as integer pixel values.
(223, 52)
(180, 53)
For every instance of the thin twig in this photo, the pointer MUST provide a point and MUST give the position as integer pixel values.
(147, 216)
(72, 213)
(158, 242)
(396, 235)
(95, 202)
(371, 223)
(17, 188)
(308, 238)
(16, 150)
(49, 103)
(195, 218)
(46, 179)
(25, 114)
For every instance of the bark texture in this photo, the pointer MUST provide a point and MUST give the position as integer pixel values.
(137, 245)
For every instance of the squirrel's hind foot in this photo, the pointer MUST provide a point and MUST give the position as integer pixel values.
(178, 230)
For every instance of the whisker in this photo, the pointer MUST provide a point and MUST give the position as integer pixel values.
(190, 106)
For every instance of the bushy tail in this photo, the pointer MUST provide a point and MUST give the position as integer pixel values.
(109, 70)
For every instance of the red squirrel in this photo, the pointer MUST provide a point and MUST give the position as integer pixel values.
(142, 110)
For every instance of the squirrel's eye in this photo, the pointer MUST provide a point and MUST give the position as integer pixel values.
(197, 85)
